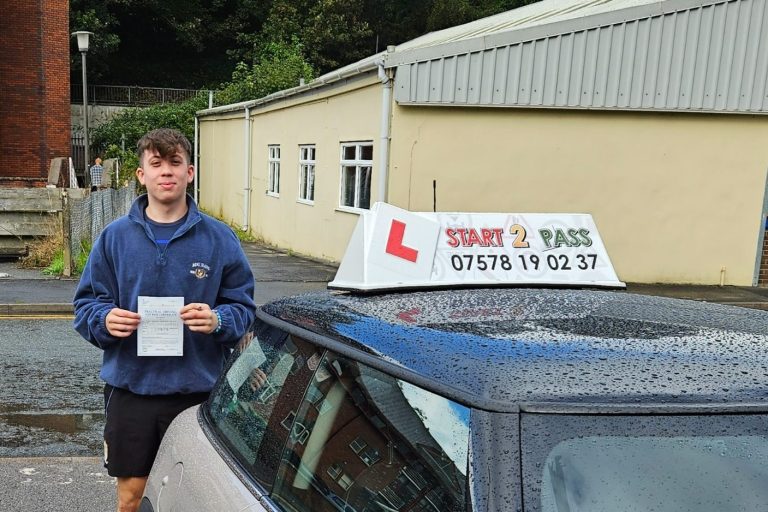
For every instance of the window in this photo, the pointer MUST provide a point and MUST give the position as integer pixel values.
(274, 170)
(370, 456)
(349, 459)
(307, 174)
(357, 445)
(334, 470)
(252, 409)
(288, 420)
(345, 482)
(668, 463)
(314, 395)
(356, 165)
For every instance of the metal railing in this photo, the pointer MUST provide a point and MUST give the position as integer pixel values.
(131, 95)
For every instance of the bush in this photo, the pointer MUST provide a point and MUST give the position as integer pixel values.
(133, 123)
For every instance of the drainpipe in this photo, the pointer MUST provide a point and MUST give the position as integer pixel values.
(247, 189)
(195, 161)
(386, 122)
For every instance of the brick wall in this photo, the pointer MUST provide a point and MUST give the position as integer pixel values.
(34, 111)
(762, 279)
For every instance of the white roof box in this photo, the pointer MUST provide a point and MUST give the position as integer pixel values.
(393, 248)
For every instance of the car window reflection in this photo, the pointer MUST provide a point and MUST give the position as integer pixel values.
(251, 406)
(363, 441)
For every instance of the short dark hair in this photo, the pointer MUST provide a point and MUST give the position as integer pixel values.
(166, 141)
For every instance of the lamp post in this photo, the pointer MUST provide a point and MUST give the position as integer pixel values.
(82, 45)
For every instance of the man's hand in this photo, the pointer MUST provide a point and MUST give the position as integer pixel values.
(199, 317)
(257, 379)
(121, 322)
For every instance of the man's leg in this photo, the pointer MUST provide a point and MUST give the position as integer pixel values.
(129, 492)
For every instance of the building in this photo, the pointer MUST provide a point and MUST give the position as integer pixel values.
(34, 111)
(650, 115)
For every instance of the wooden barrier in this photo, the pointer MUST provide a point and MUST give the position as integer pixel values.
(28, 213)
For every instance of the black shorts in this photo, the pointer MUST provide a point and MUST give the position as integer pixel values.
(135, 425)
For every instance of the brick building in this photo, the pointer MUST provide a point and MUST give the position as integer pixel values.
(34, 89)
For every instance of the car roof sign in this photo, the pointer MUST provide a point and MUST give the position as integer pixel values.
(392, 248)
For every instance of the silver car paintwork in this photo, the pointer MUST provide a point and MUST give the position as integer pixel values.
(190, 475)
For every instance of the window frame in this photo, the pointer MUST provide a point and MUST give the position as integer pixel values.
(358, 163)
(273, 170)
(308, 165)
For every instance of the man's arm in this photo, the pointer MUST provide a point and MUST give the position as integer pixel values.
(95, 304)
(234, 301)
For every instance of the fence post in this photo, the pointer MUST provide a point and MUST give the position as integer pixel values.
(66, 224)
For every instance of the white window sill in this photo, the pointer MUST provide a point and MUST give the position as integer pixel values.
(273, 194)
(306, 202)
(350, 209)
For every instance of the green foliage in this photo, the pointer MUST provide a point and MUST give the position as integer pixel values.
(197, 43)
(332, 32)
(56, 267)
(280, 66)
(82, 257)
(449, 13)
(133, 123)
(243, 236)
(164, 43)
(93, 17)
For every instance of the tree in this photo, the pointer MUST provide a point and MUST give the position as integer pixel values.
(198, 43)
(279, 66)
(103, 44)
(169, 43)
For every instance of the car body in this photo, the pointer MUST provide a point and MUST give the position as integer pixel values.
(501, 399)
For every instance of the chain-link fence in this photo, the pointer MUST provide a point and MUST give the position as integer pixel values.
(89, 215)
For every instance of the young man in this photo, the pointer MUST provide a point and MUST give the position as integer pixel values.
(164, 247)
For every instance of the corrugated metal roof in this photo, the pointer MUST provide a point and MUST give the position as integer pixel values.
(680, 55)
(531, 15)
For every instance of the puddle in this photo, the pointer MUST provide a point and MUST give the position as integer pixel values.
(49, 435)
(63, 423)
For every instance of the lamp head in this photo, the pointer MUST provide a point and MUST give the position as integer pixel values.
(82, 39)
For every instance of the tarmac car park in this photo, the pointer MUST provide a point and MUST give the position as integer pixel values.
(517, 398)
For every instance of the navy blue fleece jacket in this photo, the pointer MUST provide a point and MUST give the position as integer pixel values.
(203, 262)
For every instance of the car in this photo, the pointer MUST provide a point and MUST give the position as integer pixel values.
(501, 398)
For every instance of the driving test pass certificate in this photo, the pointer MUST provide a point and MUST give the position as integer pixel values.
(161, 331)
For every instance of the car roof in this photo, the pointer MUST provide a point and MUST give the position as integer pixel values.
(549, 350)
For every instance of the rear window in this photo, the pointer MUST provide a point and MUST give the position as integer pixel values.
(651, 463)
(322, 432)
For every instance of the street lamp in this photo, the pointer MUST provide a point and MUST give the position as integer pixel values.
(82, 44)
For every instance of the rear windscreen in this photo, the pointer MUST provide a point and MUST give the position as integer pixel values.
(644, 464)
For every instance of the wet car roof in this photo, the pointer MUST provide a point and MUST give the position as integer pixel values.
(499, 349)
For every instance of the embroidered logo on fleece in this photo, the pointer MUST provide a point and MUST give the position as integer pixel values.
(200, 270)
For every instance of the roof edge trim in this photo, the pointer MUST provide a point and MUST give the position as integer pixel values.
(355, 69)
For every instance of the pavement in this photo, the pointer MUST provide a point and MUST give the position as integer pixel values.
(78, 483)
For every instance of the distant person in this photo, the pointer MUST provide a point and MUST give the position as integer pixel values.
(164, 248)
(97, 175)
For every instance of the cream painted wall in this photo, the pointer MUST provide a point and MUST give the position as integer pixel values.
(222, 167)
(676, 197)
(349, 112)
